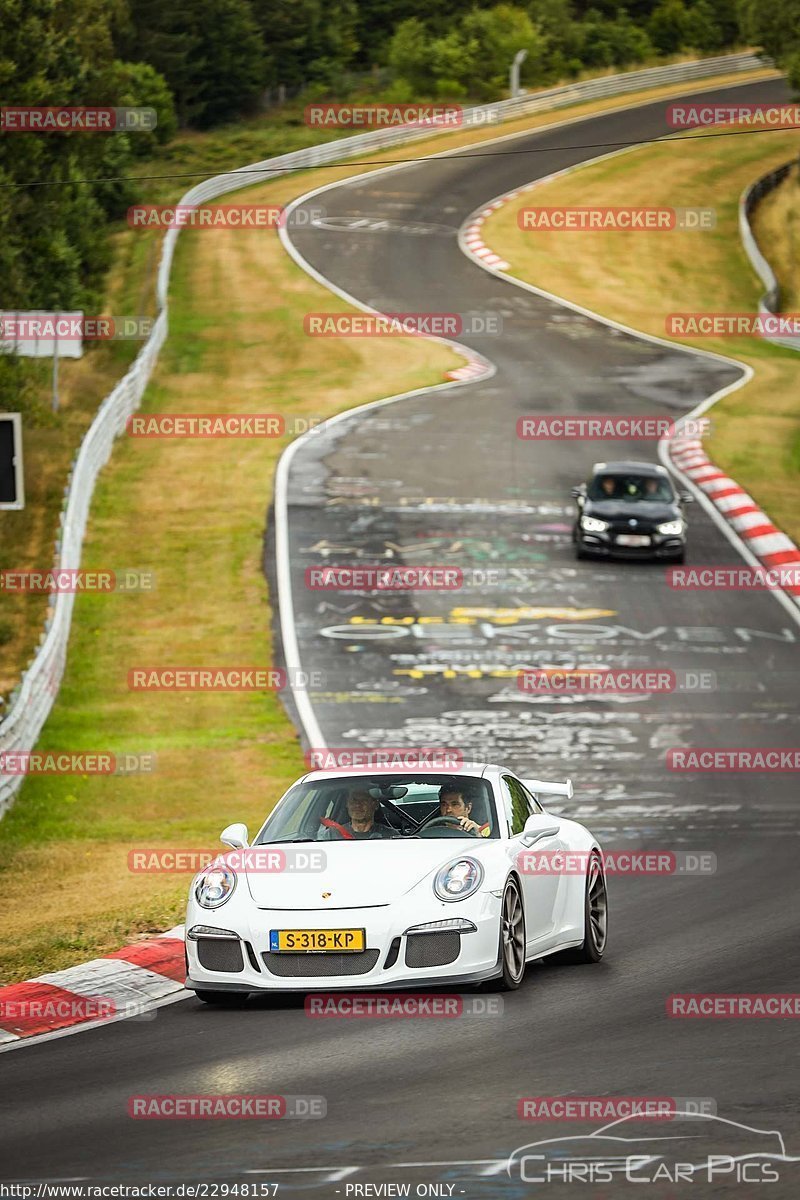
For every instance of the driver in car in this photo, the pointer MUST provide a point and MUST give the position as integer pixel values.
(453, 803)
(361, 809)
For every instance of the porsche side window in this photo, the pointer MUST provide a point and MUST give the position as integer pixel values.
(533, 803)
(515, 799)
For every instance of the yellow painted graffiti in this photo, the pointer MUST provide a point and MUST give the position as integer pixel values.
(494, 616)
(510, 616)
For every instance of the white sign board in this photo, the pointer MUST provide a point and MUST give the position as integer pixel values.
(41, 334)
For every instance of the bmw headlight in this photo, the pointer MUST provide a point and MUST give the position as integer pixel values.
(593, 525)
(458, 879)
(671, 528)
(214, 887)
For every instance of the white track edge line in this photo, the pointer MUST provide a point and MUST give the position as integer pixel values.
(291, 649)
(748, 374)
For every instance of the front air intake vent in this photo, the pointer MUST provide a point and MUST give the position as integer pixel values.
(220, 954)
(317, 966)
(432, 949)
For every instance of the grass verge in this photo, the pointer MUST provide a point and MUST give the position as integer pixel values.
(638, 278)
(776, 224)
(51, 440)
(192, 513)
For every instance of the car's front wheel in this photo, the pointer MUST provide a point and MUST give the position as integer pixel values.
(512, 937)
(223, 999)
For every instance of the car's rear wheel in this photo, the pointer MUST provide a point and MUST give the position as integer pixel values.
(223, 999)
(595, 920)
(512, 937)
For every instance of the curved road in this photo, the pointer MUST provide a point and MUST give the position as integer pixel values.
(442, 479)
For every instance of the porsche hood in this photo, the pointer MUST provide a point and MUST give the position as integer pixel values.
(355, 874)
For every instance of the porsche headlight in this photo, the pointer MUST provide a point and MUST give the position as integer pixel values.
(458, 879)
(214, 887)
(671, 528)
(593, 524)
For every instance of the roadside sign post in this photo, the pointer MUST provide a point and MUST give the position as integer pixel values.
(12, 490)
(55, 367)
(513, 82)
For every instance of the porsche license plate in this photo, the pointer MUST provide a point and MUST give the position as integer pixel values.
(633, 539)
(338, 941)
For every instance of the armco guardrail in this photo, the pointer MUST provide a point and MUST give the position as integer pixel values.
(769, 304)
(32, 701)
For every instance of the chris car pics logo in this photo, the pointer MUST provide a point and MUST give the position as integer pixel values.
(700, 1147)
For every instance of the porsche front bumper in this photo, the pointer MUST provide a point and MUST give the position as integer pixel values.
(234, 955)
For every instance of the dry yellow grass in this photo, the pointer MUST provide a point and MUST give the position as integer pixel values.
(638, 278)
(193, 513)
(26, 539)
(776, 224)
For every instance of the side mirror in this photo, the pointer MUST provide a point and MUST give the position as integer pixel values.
(578, 490)
(686, 498)
(540, 827)
(235, 836)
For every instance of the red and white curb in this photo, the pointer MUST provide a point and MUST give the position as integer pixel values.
(475, 368)
(124, 984)
(737, 509)
(473, 236)
(473, 241)
(769, 544)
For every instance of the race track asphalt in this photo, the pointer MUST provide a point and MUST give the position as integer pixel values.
(442, 479)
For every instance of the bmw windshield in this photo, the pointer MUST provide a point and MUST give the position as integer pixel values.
(631, 488)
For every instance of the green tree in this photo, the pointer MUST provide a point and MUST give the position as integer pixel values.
(210, 52)
(378, 20)
(411, 55)
(491, 37)
(775, 26)
(563, 37)
(141, 85)
(669, 27)
(307, 41)
(164, 36)
(55, 52)
(471, 59)
(613, 42)
(232, 50)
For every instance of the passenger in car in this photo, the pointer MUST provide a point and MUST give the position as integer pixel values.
(453, 803)
(361, 809)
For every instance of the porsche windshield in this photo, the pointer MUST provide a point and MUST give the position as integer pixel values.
(377, 807)
(631, 487)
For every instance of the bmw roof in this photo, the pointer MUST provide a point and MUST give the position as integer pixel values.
(630, 466)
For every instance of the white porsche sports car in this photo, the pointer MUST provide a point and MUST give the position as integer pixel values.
(473, 878)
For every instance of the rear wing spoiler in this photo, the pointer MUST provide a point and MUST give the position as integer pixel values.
(540, 788)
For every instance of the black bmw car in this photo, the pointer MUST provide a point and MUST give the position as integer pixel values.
(630, 510)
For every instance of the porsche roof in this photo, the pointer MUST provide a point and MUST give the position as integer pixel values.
(338, 772)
